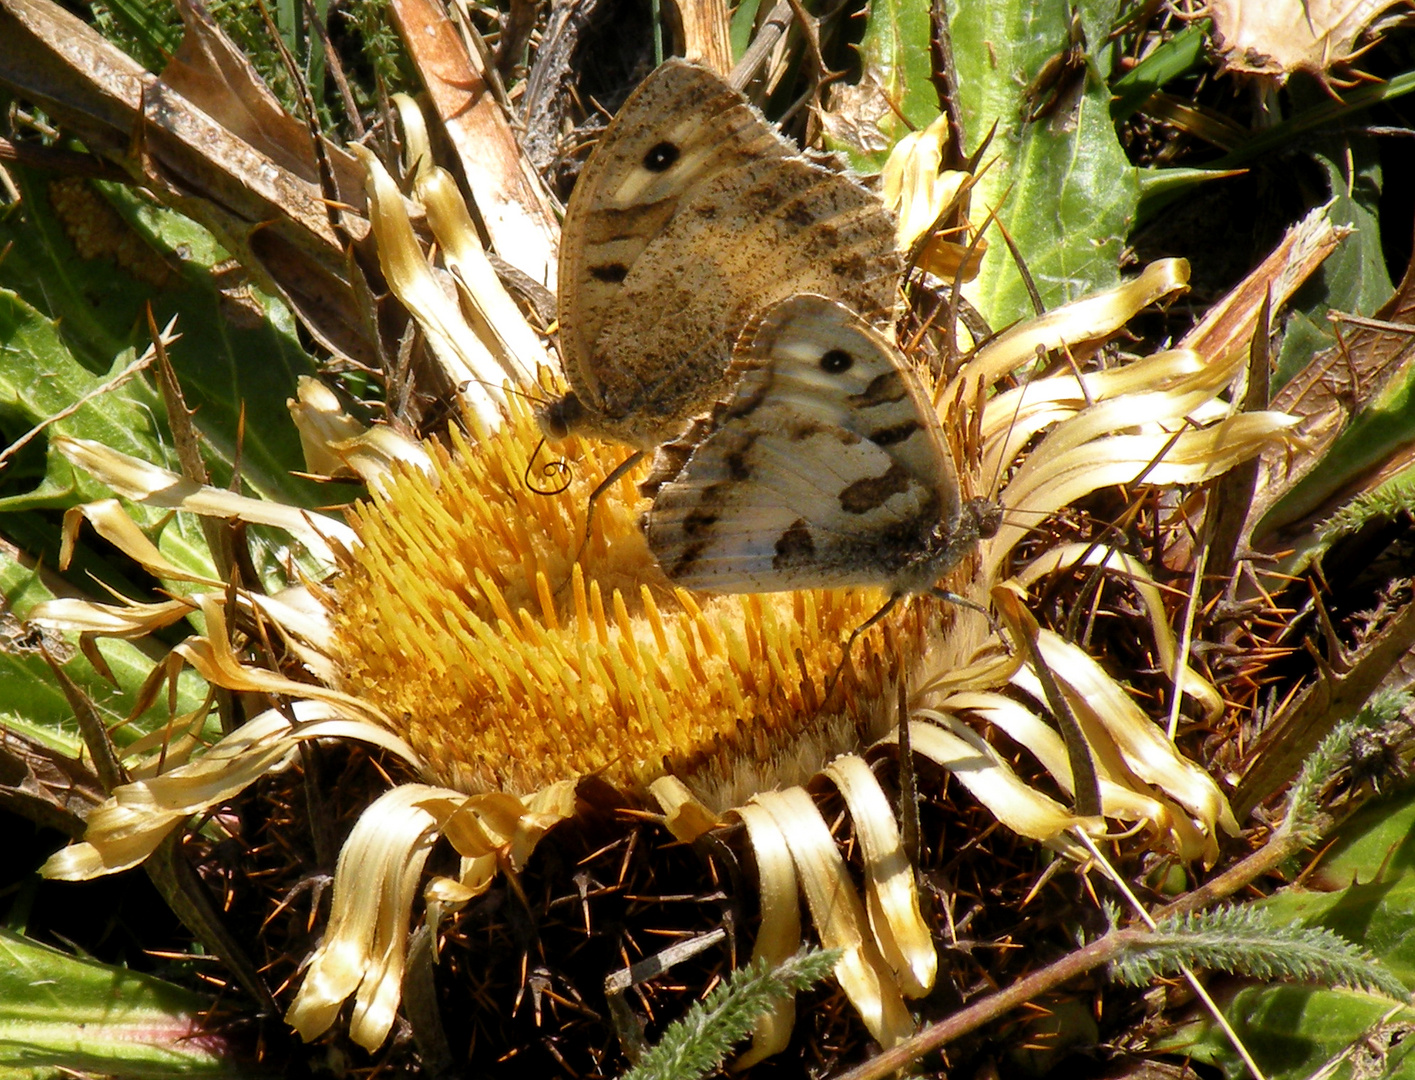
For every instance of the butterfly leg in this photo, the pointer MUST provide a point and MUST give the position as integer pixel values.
(850, 642)
(963, 601)
(941, 594)
(604, 485)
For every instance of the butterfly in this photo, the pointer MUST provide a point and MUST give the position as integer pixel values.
(693, 213)
(825, 467)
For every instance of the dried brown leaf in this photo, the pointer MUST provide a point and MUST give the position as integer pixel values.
(1336, 385)
(275, 221)
(211, 72)
(854, 115)
(1231, 323)
(43, 785)
(508, 195)
(706, 33)
(1278, 37)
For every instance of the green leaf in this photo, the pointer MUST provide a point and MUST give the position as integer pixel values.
(238, 350)
(895, 57)
(1354, 277)
(40, 379)
(1291, 1031)
(1378, 431)
(1181, 54)
(69, 327)
(1320, 110)
(1252, 940)
(1160, 187)
(1061, 184)
(1363, 889)
(31, 702)
(1379, 915)
(58, 1012)
(744, 19)
(1379, 839)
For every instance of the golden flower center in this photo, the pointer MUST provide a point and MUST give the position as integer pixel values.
(508, 665)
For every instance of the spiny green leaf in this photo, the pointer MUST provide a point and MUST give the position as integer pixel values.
(1248, 941)
(238, 349)
(61, 1013)
(700, 1042)
(1334, 752)
(1061, 182)
(896, 62)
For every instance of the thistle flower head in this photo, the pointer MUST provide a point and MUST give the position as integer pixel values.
(511, 652)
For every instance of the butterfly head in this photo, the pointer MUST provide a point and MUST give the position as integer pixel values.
(986, 516)
(561, 417)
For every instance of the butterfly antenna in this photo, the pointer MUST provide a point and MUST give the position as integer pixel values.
(559, 470)
(534, 399)
(995, 485)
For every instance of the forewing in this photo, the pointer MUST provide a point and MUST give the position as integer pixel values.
(825, 468)
(746, 239)
(679, 129)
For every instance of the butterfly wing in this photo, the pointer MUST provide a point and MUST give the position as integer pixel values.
(826, 467)
(680, 128)
(693, 213)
